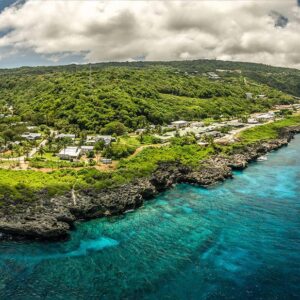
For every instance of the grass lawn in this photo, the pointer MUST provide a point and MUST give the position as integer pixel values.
(268, 131)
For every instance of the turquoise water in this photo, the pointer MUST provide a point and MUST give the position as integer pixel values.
(238, 240)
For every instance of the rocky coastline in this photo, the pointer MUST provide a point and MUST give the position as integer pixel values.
(52, 219)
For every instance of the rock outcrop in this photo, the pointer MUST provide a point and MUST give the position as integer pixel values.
(53, 218)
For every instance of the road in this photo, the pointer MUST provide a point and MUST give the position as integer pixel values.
(231, 136)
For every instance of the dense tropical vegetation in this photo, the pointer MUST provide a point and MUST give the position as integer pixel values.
(116, 98)
(111, 98)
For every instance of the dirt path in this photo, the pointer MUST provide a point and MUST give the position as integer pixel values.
(231, 137)
(139, 149)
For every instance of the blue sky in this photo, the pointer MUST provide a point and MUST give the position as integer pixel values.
(39, 32)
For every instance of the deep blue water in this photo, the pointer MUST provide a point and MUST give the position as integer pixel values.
(238, 240)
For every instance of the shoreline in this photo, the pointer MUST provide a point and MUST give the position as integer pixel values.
(52, 219)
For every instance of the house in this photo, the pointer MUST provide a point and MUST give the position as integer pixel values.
(106, 161)
(214, 134)
(235, 123)
(69, 153)
(29, 127)
(140, 130)
(197, 124)
(179, 124)
(203, 144)
(93, 139)
(261, 96)
(252, 121)
(213, 75)
(249, 96)
(265, 117)
(31, 136)
(86, 149)
(65, 136)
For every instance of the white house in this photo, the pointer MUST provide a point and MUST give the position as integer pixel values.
(93, 139)
(261, 96)
(252, 121)
(265, 117)
(69, 153)
(31, 136)
(213, 75)
(65, 136)
(140, 130)
(86, 149)
(106, 161)
(249, 96)
(179, 124)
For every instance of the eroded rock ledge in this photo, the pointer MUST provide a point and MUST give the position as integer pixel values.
(53, 218)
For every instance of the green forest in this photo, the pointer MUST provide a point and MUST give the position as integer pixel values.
(78, 98)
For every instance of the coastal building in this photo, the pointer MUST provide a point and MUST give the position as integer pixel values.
(106, 161)
(249, 96)
(214, 134)
(93, 139)
(65, 136)
(261, 96)
(203, 144)
(30, 127)
(252, 121)
(213, 75)
(69, 153)
(235, 123)
(179, 124)
(197, 124)
(31, 136)
(265, 117)
(86, 149)
(140, 131)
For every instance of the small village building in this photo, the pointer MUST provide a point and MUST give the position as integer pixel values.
(29, 127)
(31, 136)
(65, 136)
(69, 153)
(140, 130)
(280, 107)
(108, 139)
(86, 149)
(203, 144)
(252, 121)
(214, 134)
(261, 96)
(235, 123)
(106, 161)
(249, 96)
(93, 139)
(213, 75)
(179, 124)
(265, 117)
(197, 124)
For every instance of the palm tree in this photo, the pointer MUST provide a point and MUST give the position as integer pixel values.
(41, 151)
(26, 149)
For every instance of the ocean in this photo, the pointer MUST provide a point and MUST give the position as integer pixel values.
(237, 240)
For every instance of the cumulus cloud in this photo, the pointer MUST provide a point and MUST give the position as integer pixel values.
(258, 31)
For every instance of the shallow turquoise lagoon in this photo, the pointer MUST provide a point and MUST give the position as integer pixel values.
(237, 240)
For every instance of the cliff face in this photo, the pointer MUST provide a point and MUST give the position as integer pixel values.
(52, 219)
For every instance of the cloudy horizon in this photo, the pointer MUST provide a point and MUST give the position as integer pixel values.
(57, 32)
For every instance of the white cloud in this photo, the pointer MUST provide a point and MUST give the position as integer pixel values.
(156, 30)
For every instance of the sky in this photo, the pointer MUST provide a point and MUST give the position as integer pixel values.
(52, 32)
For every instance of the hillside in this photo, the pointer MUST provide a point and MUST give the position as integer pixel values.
(76, 98)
